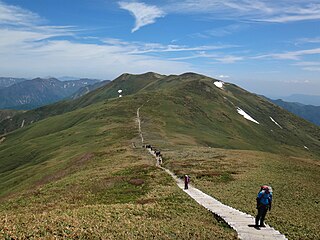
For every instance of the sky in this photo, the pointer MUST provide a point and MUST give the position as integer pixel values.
(269, 47)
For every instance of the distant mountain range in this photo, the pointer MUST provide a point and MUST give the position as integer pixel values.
(301, 98)
(8, 81)
(308, 112)
(27, 94)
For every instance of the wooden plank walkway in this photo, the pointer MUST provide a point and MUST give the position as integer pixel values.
(239, 221)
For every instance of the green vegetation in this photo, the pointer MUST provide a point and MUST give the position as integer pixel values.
(73, 173)
(77, 176)
(115, 194)
(234, 177)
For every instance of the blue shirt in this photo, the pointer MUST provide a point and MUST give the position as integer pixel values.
(264, 198)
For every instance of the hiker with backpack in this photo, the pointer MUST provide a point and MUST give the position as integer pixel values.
(186, 181)
(264, 200)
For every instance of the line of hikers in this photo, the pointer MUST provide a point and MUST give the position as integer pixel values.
(264, 198)
(155, 152)
(158, 155)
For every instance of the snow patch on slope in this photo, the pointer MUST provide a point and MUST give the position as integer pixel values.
(120, 91)
(22, 124)
(275, 122)
(246, 116)
(218, 84)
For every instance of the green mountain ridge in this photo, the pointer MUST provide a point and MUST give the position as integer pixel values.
(84, 90)
(202, 101)
(308, 112)
(73, 163)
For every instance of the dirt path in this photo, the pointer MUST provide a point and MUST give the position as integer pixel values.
(239, 221)
(139, 124)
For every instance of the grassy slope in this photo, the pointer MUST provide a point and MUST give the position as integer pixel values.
(76, 176)
(176, 123)
(234, 177)
(197, 112)
(79, 163)
(130, 84)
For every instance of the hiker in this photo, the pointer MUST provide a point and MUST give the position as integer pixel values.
(264, 200)
(160, 160)
(186, 181)
(157, 153)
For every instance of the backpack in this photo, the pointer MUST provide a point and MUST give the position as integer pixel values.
(265, 190)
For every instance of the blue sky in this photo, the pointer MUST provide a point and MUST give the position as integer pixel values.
(268, 47)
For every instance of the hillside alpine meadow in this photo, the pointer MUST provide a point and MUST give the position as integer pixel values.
(77, 169)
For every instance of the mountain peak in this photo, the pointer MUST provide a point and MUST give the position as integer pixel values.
(46, 79)
(191, 74)
(153, 74)
(126, 76)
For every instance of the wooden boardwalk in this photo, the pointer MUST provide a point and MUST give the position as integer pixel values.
(239, 221)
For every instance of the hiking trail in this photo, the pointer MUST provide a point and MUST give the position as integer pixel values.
(241, 222)
(139, 124)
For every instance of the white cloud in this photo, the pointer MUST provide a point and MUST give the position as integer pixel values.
(216, 57)
(223, 76)
(310, 40)
(23, 54)
(226, 30)
(144, 14)
(145, 48)
(297, 81)
(312, 68)
(13, 15)
(229, 59)
(34, 53)
(292, 55)
(177, 48)
(29, 49)
(307, 64)
(296, 12)
(250, 10)
(292, 18)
